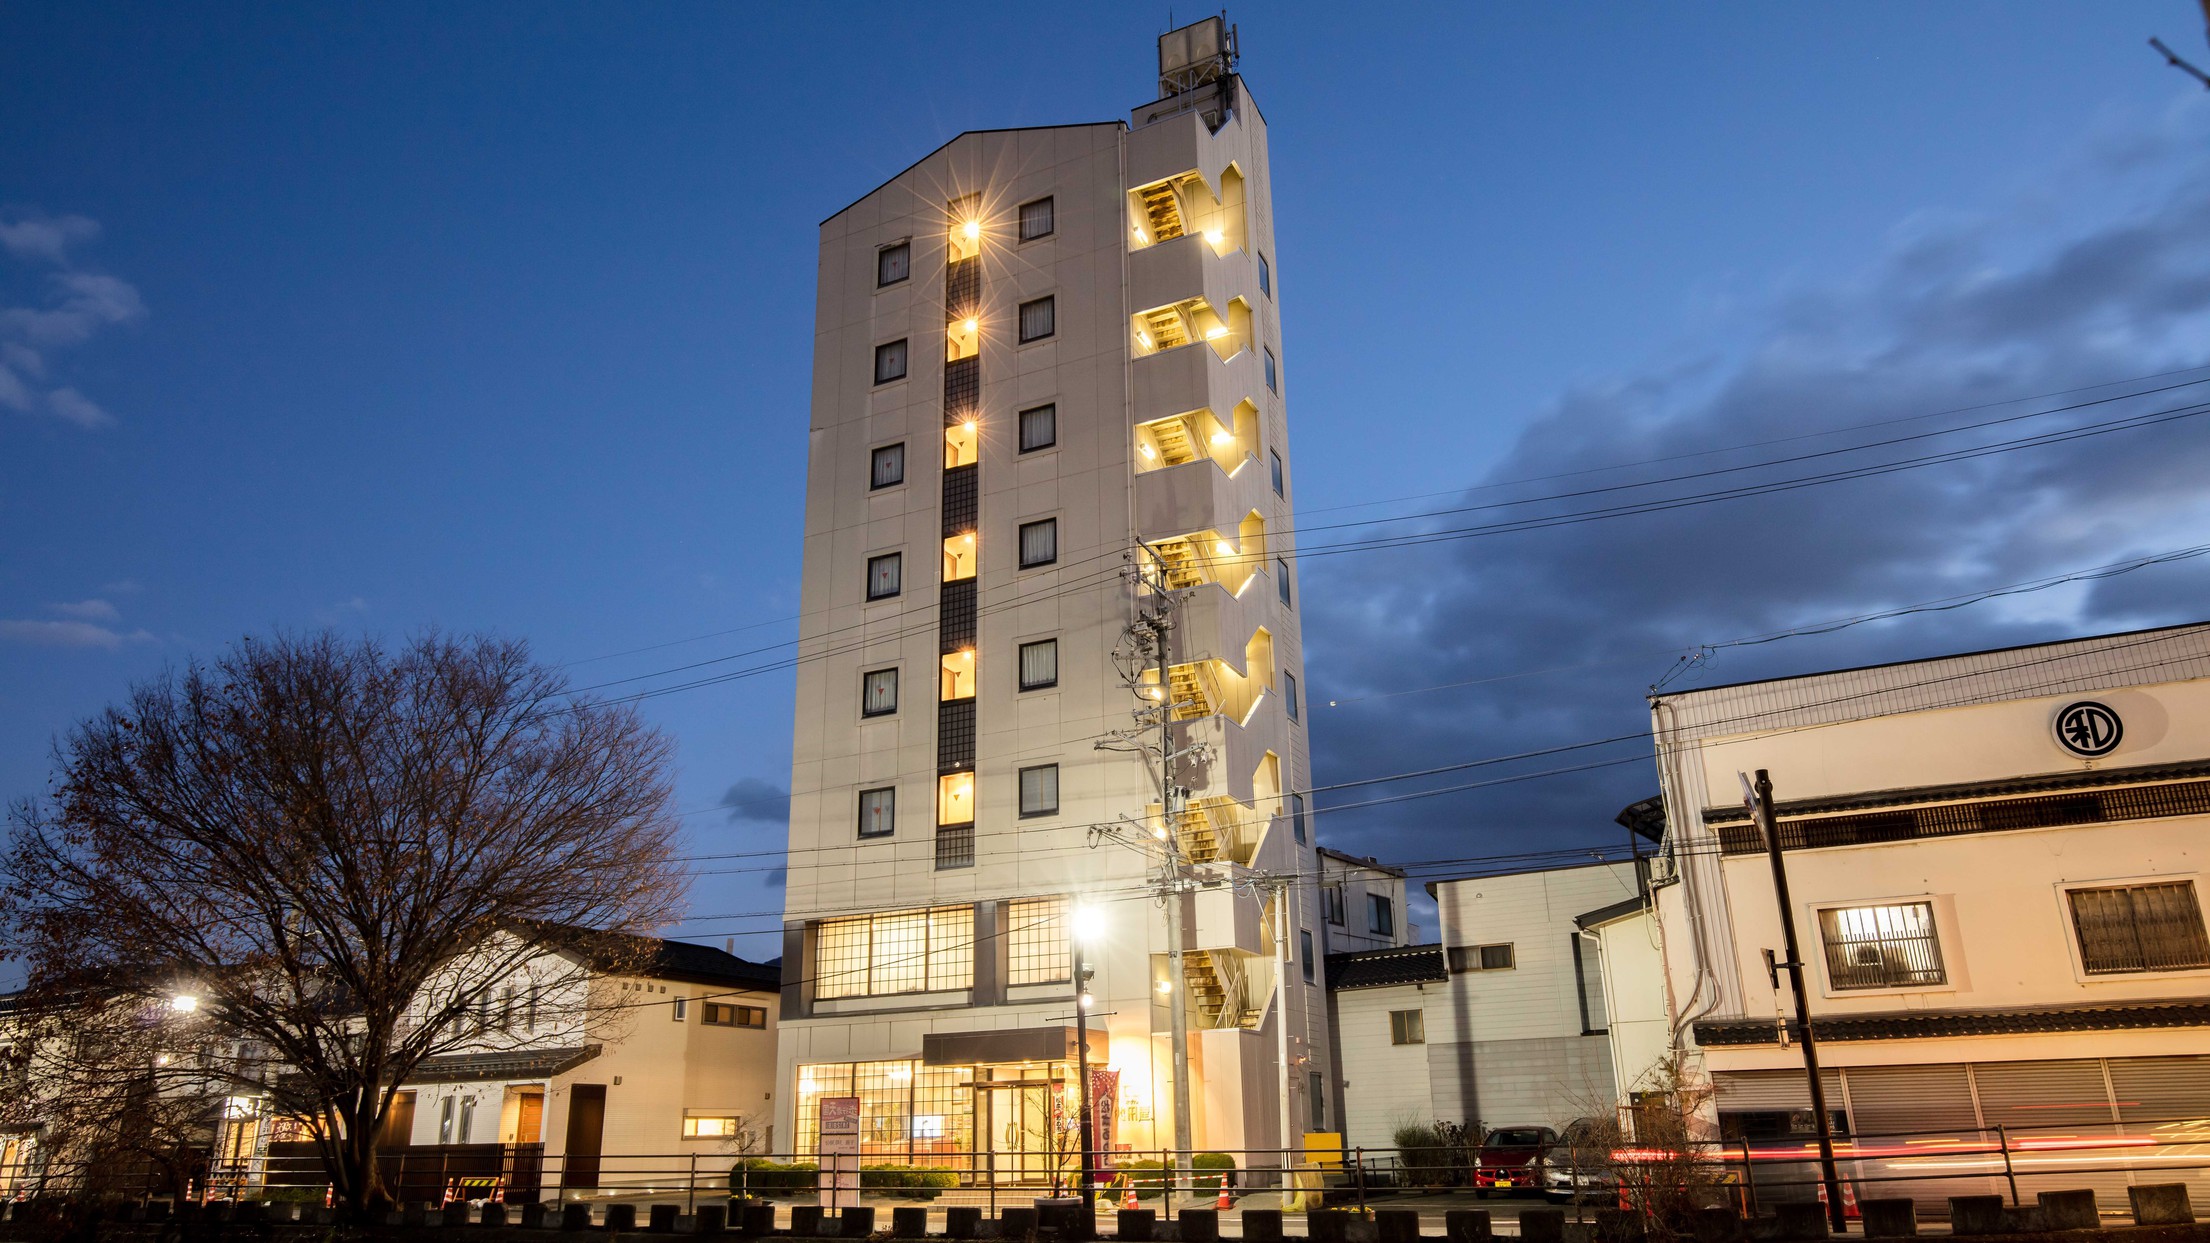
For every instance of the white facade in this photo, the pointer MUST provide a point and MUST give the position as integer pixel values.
(1047, 361)
(1361, 904)
(2003, 927)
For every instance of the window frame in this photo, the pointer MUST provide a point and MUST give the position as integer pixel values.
(1381, 915)
(1050, 302)
(1335, 905)
(905, 363)
(1289, 696)
(1280, 473)
(875, 483)
(1281, 586)
(1051, 220)
(1407, 1027)
(897, 563)
(883, 252)
(891, 819)
(680, 1006)
(691, 1123)
(2069, 907)
(1020, 664)
(739, 1015)
(1473, 959)
(1050, 409)
(1020, 543)
(864, 678)
(1299, 828)
(1265, 274)
(1305, 955)
(1839, 982)
(1037, 951)
(1020, 791)
(1273, 370)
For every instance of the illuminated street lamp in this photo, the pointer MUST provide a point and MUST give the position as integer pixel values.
(1085, 926)
(184, 1003)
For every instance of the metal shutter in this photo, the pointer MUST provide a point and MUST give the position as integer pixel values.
(2161, 1089)
(1884, 1100)
(1744, 1091)
(2022, 1095)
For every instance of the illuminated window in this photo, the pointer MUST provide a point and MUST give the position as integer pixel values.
(893, 264)
(962, 442)
(1036, 219)
(710, 1126)
(955, 798)
(1036, 942)
(1039, 319)
(964, 235)
(1039, 543)
(958, 679)
(878, 811)
(909, 1114)
(1039, 664)
(959, 557)
(1273, 372)
(1881, 946)
(890, 361)
(1407, 1027)
(715, 1014)
(1040, 790)
(1039, 428)
(888, 467)
(879, 693)
(2132, 928)
(962, 339)
(885, 577)
(922, 950)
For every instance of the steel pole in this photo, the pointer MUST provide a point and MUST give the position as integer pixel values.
(1769, 823)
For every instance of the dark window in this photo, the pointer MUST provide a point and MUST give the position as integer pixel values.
(1281, 579)
(1289, 693)
(1040, 790)
(889, 362)
(885, 576)
(893, 264)
(1407, 1027)
(1297, 827)
(1481, 958)
(1304, 950)
(1039, 543)
(1316, 1089)
(1039, 428)
(878, 812)
(680, 1006)
(1277, 472)
(1381, 915)
(1331, 904)
(1036, 219)
(1265, 277)
(1039, 664)
(1881, 946)
(2139, 928)
(719, 1015)
(1273, 373)
(1039, 319)
(879, 693)
(889, 467)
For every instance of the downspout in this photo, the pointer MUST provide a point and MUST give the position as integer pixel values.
(1699, 936)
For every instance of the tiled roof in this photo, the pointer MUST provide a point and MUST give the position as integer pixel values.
(1410, 964)
(1921, 1025)
(517, 1064)
(703, 964)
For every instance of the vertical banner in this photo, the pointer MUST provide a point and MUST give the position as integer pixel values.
(1104, 1112)
(839, 1176)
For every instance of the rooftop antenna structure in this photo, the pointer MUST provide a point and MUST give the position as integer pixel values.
(1195, 55)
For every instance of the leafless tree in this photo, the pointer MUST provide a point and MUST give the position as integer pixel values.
(348, 857)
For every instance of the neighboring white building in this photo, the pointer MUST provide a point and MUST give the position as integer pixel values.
(1047, 375)
(1361, 904)
(1997, 863)
(1502, 1024)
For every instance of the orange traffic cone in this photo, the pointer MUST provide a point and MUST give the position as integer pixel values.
(1128, 1201)
(1223, 1201)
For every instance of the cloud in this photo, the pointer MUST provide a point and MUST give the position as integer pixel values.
(75, 306)
(753, 801)
(71, 406)
(46, 239)
(1563, 628)
(87, 610)
(68, 634)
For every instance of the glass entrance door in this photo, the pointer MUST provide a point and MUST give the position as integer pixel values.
(1026, 1144)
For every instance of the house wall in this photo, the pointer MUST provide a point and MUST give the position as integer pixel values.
(1384, 1085)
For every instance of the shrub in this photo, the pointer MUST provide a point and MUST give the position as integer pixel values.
(907, 1182)
(1427, 1156)
(761, 1177)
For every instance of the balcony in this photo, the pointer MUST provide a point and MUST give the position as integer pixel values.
(1177, 380)
(1226, 327)
(1179, 500)
(1198, 434)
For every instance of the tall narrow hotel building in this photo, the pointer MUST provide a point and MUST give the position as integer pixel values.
(1047, 404)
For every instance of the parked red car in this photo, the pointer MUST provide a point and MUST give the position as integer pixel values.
(1511, 1159)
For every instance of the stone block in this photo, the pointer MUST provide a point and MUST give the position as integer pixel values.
(1137, 1225)
(1327, 1225)
(1803, 1222)
(455, 1215)
(1262, 1225)
(856, 1222)
(1467, 1225)
(2070, 1210)
(155, 1210)
(660, 1219)
(759, 1219)
(710, 1219)
(1198, 1225)
(805, 1220)
(1616, 1225)
(1017, 1223)
(1889, 1219)
(416, 1216)
(1397, 1225)
(2025, 1219)
(963, 1221)
(575, 1217)
(533, 1215)
(909, 1223)
(1976, 1215)
(2161, 1204)
(494, 1214)
(1542, 1225)
(621, 1218)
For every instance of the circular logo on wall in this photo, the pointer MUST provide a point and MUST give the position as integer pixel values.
(2088, 729)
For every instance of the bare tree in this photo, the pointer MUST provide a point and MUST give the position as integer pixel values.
(344, 859)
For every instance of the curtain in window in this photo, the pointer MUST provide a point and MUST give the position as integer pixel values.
(1040, 790)
(889, 362)
(877, 812)
(1039, 428)
(2140, 928)
(1040, 542)
(1038, 319)
(1039, 664)
(1036, 219)
(893, 263)
(889, 465)
(882, 692)
(883, 576)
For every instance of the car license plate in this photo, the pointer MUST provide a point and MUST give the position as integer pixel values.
(1503, 1182)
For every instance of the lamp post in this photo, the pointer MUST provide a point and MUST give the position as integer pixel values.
(1085, 923)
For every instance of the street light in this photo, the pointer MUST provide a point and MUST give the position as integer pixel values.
(184, 1003)
(1085, 926)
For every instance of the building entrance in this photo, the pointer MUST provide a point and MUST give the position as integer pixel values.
(1029, 1138)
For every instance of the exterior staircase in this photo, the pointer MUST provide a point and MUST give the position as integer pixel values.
(1162, 210)
(1216, 985)
(1165, 328)
(1173, 438)
(1181, 563)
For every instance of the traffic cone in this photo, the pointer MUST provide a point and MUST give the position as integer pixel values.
(329, 1195)
(1223, 1201)
(1128, 1201)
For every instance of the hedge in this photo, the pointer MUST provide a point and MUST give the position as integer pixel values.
(761, 1177)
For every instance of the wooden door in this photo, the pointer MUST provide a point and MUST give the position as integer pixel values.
(579, 1168)
(529, 1118)
(398, 1129)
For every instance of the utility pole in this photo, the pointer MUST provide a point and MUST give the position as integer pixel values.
(1760, 799)
(1170, 809)
(1082, 1113)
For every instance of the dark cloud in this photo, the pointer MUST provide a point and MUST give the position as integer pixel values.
(753, 801)
(1955, 316)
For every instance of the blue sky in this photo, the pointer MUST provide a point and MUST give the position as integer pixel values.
(498, 317)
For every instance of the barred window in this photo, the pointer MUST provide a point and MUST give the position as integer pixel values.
(1039, 319)
(1040, 790)
(879, 692)
(890, 361)
(2130, 928)
(878, 812)
(893, 264)
(885, 576)
(1036, 219)
(1039, 664)
(1039, 543)
(1039, 428)
(889, 467)
(1890, 946)
(921, 950)
(1407, 1027)
(1036, 942)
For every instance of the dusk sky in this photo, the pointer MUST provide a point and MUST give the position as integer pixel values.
(498, 317)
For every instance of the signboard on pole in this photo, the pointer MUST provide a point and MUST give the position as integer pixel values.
(839, 1176)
